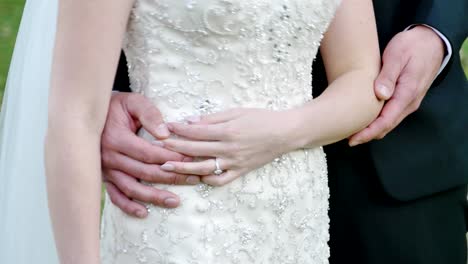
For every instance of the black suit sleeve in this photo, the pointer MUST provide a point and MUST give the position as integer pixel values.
(122, 82)
(428, 152)
(448, 17)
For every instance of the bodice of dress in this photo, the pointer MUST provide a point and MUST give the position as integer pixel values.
(193, 57)
(199, 56)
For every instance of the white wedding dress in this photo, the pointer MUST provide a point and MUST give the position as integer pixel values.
(193, 57)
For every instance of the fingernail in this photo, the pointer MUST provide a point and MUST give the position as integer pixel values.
(384, 91)
(162, 130)
(167, 167)
(171, 202)
(158, 143)
(193, 180)
(193, 119)
(140, 214)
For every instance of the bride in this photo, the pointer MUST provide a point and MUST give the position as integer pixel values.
(232, 79)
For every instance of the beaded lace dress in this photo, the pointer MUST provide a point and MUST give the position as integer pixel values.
(193, 57)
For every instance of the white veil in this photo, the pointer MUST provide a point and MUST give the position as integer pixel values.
(25, 229)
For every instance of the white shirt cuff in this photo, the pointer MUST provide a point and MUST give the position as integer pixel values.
(447, 45)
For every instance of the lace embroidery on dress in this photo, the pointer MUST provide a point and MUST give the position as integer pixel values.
(193, 57)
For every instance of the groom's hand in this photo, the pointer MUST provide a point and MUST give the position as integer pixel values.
(127, 158)
(411, 62)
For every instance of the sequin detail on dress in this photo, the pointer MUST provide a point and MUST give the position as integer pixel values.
(194, 57)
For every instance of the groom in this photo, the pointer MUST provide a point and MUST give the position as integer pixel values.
(401, 199)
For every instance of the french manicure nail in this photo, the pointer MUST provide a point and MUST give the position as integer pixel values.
(157, 143)
(167, 167)
(162, 130)
(193, 119)
(171, 202)
(193, 180)
(384, 90)
(354, 143)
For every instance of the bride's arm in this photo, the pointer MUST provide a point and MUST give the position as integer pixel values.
(350, 52)
(87, 47)
(246, 139)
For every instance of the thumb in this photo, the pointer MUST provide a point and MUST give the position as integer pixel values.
(141, 108)
(384, 85)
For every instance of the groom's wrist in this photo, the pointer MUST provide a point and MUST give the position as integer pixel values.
(446, 46)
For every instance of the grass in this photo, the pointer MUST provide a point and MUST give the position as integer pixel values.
(464, 57)
(10, 16)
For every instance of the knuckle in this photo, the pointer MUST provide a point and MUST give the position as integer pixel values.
(401, 36)
(232, 149)
(127, 208)
(390, 126)
(106, 177)
(174, 179)
(390, 53)
(171, 178)
(381, 136)
(114, 200)
(239, 159)
(109, 175)
(415, 106)
(113, 197)
(156, 197)
(145, 172)
(146, 155)
(109, 139)
(106, 159)
(129, 192)
(386, 127)
(160, 176)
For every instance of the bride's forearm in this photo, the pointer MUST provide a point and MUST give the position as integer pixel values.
(347, 105)
(350, 52)
(74, 183)
(87, 46)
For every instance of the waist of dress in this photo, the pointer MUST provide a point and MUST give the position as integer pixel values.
(178, 106)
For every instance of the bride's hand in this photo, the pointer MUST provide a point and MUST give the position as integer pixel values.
(241, 139)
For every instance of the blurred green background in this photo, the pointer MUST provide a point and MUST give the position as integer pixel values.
(10, 16)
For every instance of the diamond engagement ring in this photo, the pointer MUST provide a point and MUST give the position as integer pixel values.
(218, 171)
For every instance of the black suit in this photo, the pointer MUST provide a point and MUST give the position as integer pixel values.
(403, 199)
